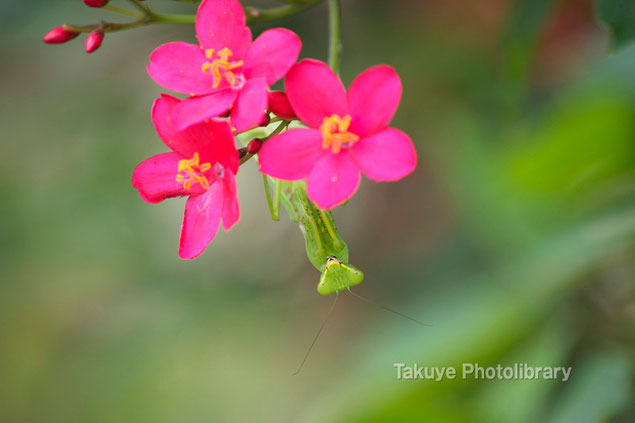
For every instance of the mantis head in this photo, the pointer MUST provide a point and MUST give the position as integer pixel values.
(338, 276)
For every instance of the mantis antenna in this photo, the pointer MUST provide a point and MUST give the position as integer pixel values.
(387, 309)
(317, 335)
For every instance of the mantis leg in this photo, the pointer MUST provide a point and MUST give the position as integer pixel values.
(274, 206)
(330, 227)
(313, 232)
(277, 191)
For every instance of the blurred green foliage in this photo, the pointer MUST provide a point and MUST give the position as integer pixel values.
(514, 239)
(619, 15)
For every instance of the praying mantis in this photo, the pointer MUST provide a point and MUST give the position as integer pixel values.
(325, 248)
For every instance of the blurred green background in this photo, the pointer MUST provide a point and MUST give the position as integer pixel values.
(514, 238)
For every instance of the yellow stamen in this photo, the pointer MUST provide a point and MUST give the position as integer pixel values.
(191, 171)
(335, 133)
(221, 66)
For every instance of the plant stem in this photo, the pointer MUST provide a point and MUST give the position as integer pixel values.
(261, 15)
(253, 15)
(142, 7)
(335, 34)
(123, 11)
(172, 18)
(106, 26)
(275, 132)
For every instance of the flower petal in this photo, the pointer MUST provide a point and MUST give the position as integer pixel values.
(373, 99)
(222, 145)
(177, 66)
(212, 140)
(201, 221)
(272, 54)
(291, 155)
(388, 155)
(220, 24)
(280, 106)
(198, 109)
(251, 105)
(155, 178)
(333, 180)
(315, 92)
(231, 212)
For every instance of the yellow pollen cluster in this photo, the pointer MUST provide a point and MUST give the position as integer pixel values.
(191, 171)
(335, 133)
(221, 66)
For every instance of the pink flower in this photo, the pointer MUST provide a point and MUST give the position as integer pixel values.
(348, 133)
(202, 165)
(226, 70)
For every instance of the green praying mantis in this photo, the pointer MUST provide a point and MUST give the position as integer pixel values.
(325, 248)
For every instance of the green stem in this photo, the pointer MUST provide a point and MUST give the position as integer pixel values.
(172, 18)
(123, 11)
(253, 16)
(106, 26)
(140, 6)
(276, 131)
(262, 15)
(335, 34)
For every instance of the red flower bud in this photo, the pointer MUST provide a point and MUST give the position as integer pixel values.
(59, 35)
(93, 42)
(280, 106)
(254, 146)
(96, 3)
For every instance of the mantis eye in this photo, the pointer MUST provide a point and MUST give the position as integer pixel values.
(355, 277)
(324, 289)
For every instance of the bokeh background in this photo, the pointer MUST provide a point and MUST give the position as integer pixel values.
(514, 239)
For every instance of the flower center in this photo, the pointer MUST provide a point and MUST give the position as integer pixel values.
(221, 67)
(191, 171)
(335, 133)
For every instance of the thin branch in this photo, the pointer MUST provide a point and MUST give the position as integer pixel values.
(123, 11)
(335, 34)
(140, 6)
(275, 132)
(253, 15)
